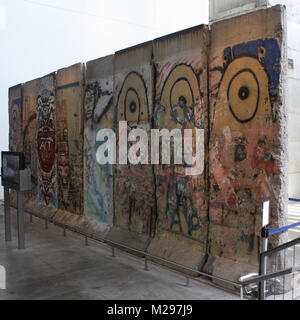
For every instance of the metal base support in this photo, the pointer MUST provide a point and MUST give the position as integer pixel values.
(7, 219)
(21, 237)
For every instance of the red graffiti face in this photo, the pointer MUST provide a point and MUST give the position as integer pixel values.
(46, 149)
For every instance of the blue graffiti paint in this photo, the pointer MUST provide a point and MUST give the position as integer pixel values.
(16, 101)
(99, 183)
(270, 60)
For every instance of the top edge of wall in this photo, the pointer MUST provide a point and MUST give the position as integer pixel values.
(53, 73)
(100, 67)
(73, 73)
(181, 32)
(134, 56)
(108, 57)
(259, 24)
(15, 86)
(244, 13)
(74, 65)
(191, 39)
(135, 47)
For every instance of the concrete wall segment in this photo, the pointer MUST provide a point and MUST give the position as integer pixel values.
(228, 79)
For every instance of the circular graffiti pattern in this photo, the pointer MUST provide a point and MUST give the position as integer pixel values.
(132, 105)
(243, 95)
(132, 100)
(181, 96)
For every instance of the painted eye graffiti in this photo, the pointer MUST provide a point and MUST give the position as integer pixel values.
(180, 95)
(133, 101)
(181, 105)
(132, 106)
(243, 95)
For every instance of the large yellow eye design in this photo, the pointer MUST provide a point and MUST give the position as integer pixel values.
(133, 101)
(243, 95)
(181, 82)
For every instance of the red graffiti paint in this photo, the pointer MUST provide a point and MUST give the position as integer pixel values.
(46, 149)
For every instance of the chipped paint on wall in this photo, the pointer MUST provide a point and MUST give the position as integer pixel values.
(69, 133)
(29, 131)
(135, 209)
(15, 118)
(98, 114)
(243, 145)
(181, 104)
(46, 141)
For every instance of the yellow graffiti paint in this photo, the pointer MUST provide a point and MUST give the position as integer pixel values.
(181, 82)
(132, 102)
(243, 96)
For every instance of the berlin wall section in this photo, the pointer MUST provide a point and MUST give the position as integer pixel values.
(134, 187)
(36, 138)
(227, 80)
(15, 125)
(15, 118)
(98, 114)
(248, 142)
(69, 144)
(181, 103)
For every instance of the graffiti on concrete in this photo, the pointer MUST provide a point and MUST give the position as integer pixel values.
(181, 98)
(29, 128)
(244, 133)
(99, 114)
(69, 148)
(46, 144)
(132, 103)
(97, 101)
(134, 188)
(180, 208)
(181, 106)
(15, 125)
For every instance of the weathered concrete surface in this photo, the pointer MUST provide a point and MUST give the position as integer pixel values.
(69, 135)
(29, 132)
(247, 139)
(98, 114)
(209, 221)
(178, 249)
(130, 239)
(15, 118)
(181, 103)
(134, 191)
(30, 205)
(45, 108)
(15, 125)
